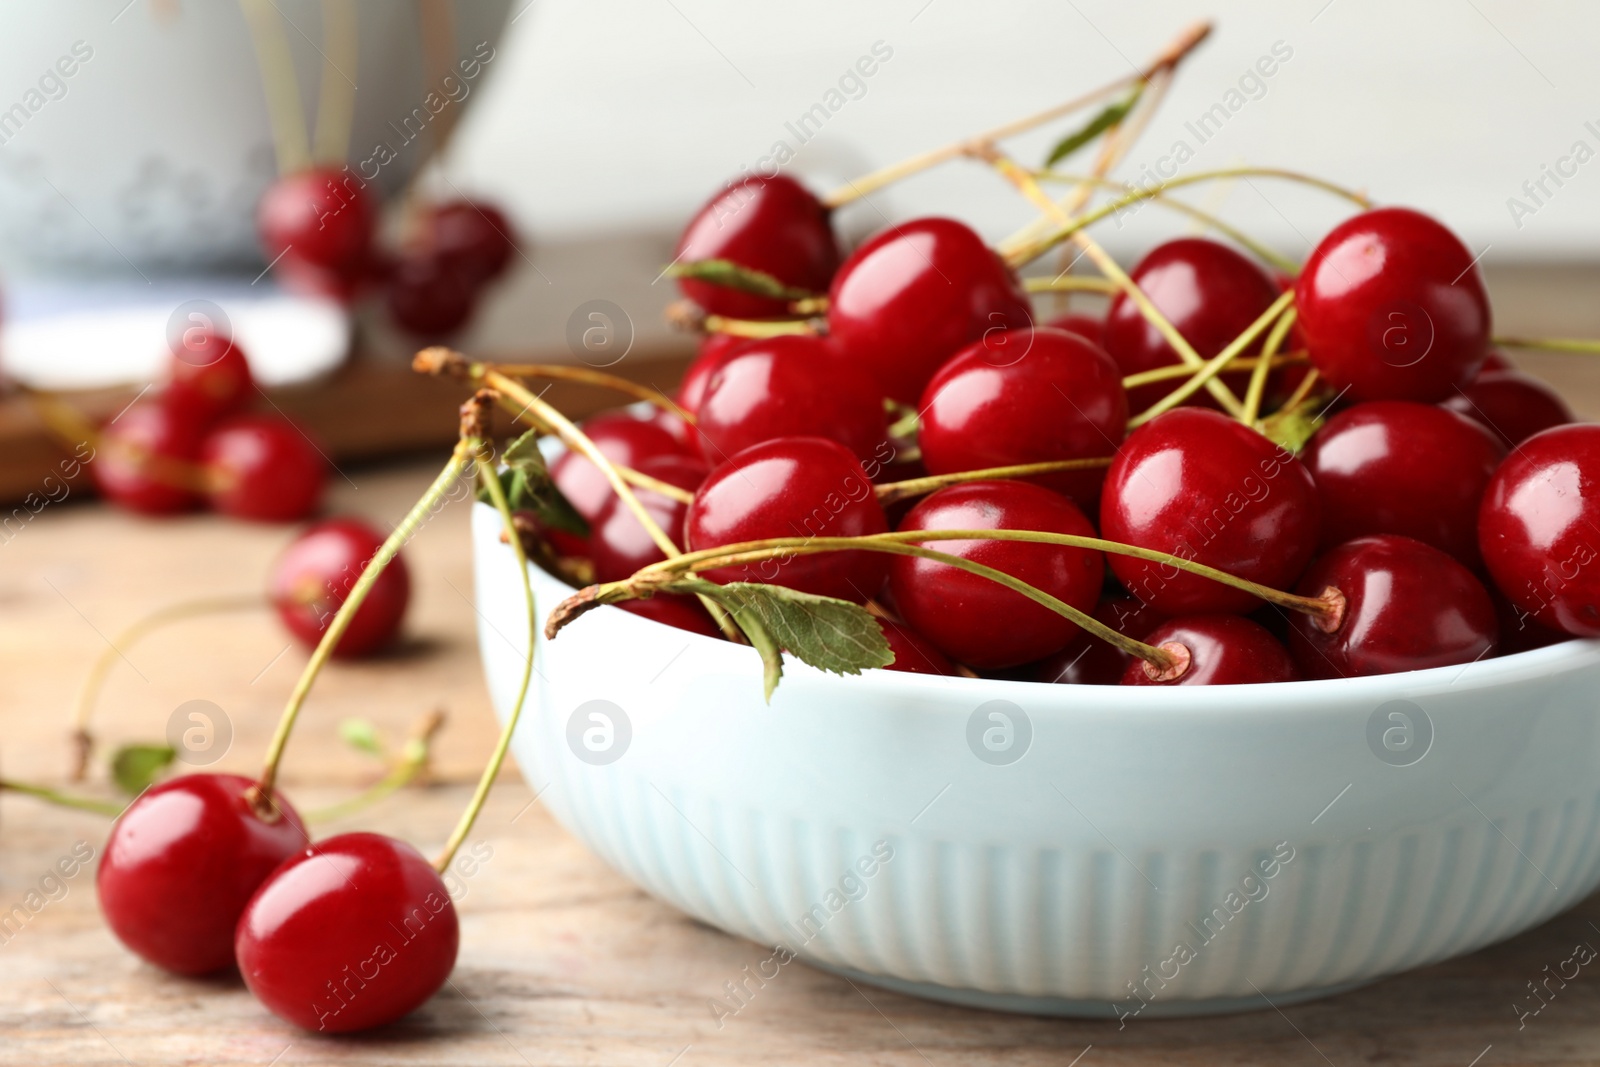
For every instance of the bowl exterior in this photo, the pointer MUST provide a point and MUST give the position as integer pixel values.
(1061, 848)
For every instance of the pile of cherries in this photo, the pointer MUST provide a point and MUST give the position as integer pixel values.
(1447, 505)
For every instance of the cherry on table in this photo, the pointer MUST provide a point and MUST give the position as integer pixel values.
(1514, 406)
(1216, 650)
(350, 933)
(209, 376)
(1088, 660)
(146, 459)
(318, 225)
(264, 468)
(181, 863)
(429, 296)
(913, 653)
(618, 543)
(312, 579)
(621, 437)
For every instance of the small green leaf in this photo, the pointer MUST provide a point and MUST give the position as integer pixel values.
(361, 734)
(1291, 429)
(523, 454)
(135, 767)
(529, 487)
(1110, 116)
(731, 275)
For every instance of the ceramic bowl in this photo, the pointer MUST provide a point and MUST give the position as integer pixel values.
(1075, 850)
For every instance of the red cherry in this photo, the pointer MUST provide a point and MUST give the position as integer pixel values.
(1495, 362)
(792, 487)
(1539, 528)
(1514, 406)
(1088, 660)
(1392, 308)
(210, 377)
(1408, 607)
(181, 863)
(429, 296)
(1222, 650)
(318, 225)
(263, 467)
(618, 544)
(682, 612)
(1088, 327)
(714, 349)
(1519, 630)
(622, 438)
(1025, 396)
(313, 577)
(980, 622)
(473, 237)
(1395, 466)
(772, 225)
(1197, 484)
(914, 295)
(914, 653)
(1207, 290)
(146, 457)
(351, 933)
(789, 386)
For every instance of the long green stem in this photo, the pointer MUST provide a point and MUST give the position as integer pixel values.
(1069, 283)
(63, 800)
(1177, 370)
(1258, 377)
(1575, 345)
(1216, 364)
(894, 492)
(587, 376)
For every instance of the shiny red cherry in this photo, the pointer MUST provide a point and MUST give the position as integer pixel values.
(772, 225)
(430, 297)
(1207, 290)
(914, 295)
(618, 544)
(1539, 528)
(1215, 650)
(682, 612)
(1408, 606)
(312, 579)
(1199, 485)
(1025, 396)
(792, 487)
(914, 653)
(1086, 659)
(351, 933)
(317, 227)
(1514, 406)
(180, 864)
(1396, 466)
(263, 467)
(1392, 308)
(978, 621)
(1088, 327)
(621, 437)
(474, 238)
(714, 349)
(789, 386)
(146, 459)
(210, 376)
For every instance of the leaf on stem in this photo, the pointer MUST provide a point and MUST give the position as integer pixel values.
(731, 275)
(529, 487)
(1110, 116)
(1292, 428)
(136, 767)
(361, 735)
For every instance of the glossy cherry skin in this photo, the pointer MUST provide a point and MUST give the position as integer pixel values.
(977, 621)
(773, 225)
(1392, 308)
(789, 386)
(146, 459)
(1513, 406)
(181, 863)
(264, 468)
(1087, 327)
(914, 653)
(681, 612)
(1408, 607)
(915, 294)
(312, 579)
(1397, 466)
(430, 297)
(1538, 527)
(623, 439)
(210, 376)
(1086, 659)
(1197, 484)
(792, 487)
(1223, 650)
(473, 237)
(351, 933)
(1025, 396)
(317, 226)
(618, 544)
(1207, 290)
(714, 349)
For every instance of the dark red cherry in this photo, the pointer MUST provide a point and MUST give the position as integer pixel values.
(312, 579)
(789, 386)
(1025, 396)
(473, 237)
(1207, 290)
(1392, 308)
(351, 933)
(618, 544)
(622, 438)
(263, 467)
(1086, 659)
(1408, 607)
(210, 377)
(1514, 406)
(914, 295)
(1539, 528)
(1197, 484)
(1519, 630)
(1216, 650)
(317, 227)
(714, 349)
(973, 619)
(1495, 362)
(792, 487)
(1396, 466)
(914, 653)
(430, 297)
(772, 225)
(1088, 327)
(146, 459)
(682, 612)
(180, 864)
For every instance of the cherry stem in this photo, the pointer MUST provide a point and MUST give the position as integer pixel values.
(94, 683)
(894, 492)
(1576, 345)
(60, 799)
(586, 376)
(284, 110)
(69, 427)
(412, 762)
(1069, 283)
(1257, 390)
(1216, 364)
(496, 493)
(1178, 370)
(1301, 391)
(336, 92)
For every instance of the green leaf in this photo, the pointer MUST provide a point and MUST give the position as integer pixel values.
(529, 487)
(135, 767)
(1110, 116)
(731, 275)
(361, 734)
(1292, 429)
